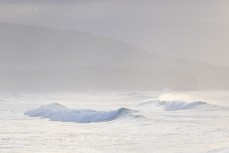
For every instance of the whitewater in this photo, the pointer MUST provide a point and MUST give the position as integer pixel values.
(124, 122)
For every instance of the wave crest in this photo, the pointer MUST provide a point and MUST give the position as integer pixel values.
(57, 112)
(176, 105)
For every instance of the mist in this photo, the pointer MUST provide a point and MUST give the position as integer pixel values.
(126, 76)
(196, 29)
(113, 45)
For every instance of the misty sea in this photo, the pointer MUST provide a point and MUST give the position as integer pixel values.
(111, 122)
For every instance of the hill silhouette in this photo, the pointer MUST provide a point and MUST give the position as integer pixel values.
(39, 58)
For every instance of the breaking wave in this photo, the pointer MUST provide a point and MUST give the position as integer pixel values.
(57, 112)
(179, 105)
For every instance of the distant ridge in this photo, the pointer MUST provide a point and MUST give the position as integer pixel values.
(35, 58)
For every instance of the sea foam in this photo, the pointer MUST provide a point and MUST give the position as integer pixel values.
(178, 105)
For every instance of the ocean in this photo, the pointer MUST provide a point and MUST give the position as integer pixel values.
(111, 122)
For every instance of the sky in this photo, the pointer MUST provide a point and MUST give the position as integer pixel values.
(195, 29)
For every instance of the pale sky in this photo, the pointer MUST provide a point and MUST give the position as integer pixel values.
(196, 29)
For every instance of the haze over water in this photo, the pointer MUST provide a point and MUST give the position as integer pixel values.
(114, 76)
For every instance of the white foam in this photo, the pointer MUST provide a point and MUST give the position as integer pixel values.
(180, 105)
(220, 98)
(175, 105)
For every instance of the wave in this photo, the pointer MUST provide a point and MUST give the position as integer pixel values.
(57, 112)
(178, 105)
